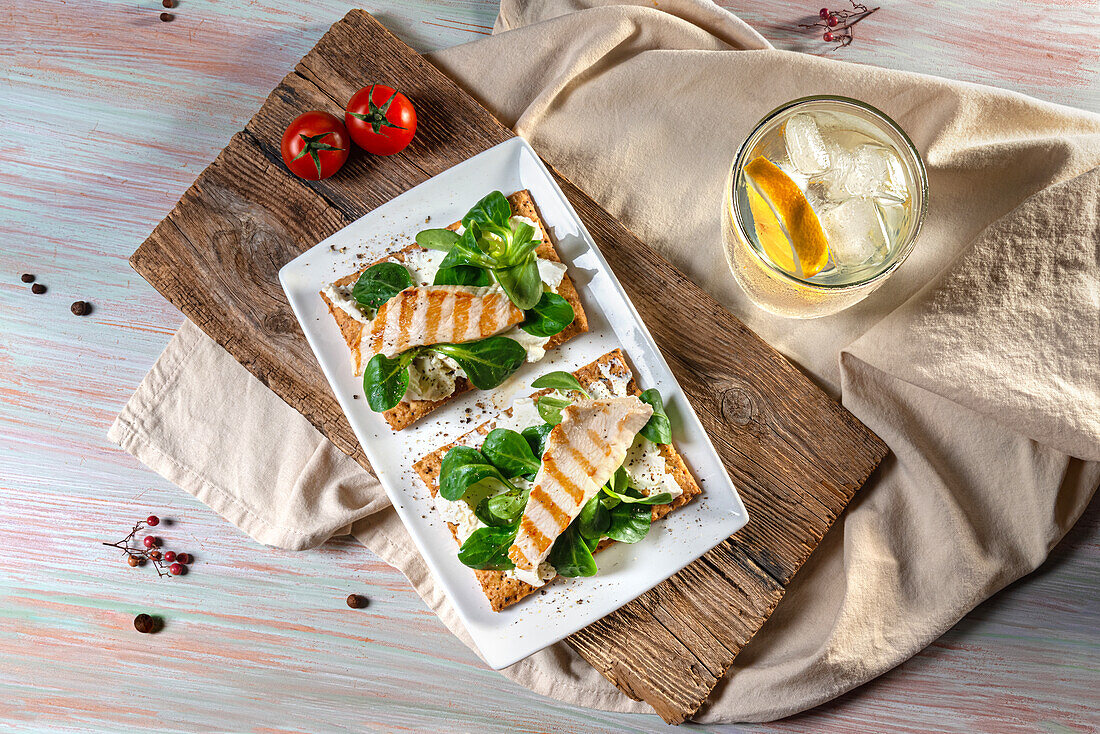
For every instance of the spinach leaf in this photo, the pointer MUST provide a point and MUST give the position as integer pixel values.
(521, 282)
(379, 283)
(487, 362)
(385, 380)
(658, 428)
(536, 437)
(503, 509)
(571, 555)
(549, 316)
(437, 239)
(629, 522)
(509, 452)
(492, 209)
(550, 408)
(487, 548)
(463, 275)
(593, 521)
(560, 380)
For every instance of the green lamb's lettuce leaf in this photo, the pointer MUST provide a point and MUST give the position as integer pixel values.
(536, 437)
(560, 380)
(593, 521)
(521, 282)
(510, 452)
(503, 249)
(658, 428)
(465, 477)
(661, 498)
(487, 548)
(621, 490)
(437, 239)
(466, 251)
(629, 522)
(503, 509)
(550, 408)
(571, 555)
(385, 380)
(487, 362)
(549, 316)
(522, 244)
(379, 283)
(463, 467)
(463, 275)
(492, 209)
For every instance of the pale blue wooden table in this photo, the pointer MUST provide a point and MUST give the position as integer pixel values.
(107, 116)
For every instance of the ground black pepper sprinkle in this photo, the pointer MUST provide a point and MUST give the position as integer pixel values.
(166, 17)
(355, 601)
(80, 308)
(38, 289)
(144, 624)
(26, 278)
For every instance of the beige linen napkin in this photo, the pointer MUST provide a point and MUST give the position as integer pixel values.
(977, 362)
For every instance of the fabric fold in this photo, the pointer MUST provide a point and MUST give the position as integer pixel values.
(203, 422)
(977, 361)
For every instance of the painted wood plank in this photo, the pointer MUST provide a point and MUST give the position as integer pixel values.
(87, 181)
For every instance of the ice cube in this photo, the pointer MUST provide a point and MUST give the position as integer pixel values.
(805, 147)
(832, 181)
(876, 172)
(855, 232)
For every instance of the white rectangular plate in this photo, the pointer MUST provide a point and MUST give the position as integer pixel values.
(626, 571)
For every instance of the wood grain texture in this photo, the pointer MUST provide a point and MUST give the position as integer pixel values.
(799, 455)
(259, 640)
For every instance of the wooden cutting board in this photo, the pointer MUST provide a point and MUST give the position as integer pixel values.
(797, 456)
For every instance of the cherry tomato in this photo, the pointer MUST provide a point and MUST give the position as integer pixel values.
(380, 119)
(315, 145)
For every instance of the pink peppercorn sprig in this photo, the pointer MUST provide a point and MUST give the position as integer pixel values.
(837, 24)
(168, 563)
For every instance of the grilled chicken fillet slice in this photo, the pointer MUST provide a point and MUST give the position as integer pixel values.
(438, 314)
(582, 452)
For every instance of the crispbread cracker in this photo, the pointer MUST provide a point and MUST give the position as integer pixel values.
(404, 414)
(504, 591)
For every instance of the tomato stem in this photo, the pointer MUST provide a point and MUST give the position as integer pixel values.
(313, 144)
(376, 115)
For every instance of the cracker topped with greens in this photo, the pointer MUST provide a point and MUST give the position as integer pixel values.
(532, 495)
(463, 308)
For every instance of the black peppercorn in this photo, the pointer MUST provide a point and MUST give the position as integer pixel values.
(38, 289)
(356, 602)
(166, 17)
(168, 3)
(26, 278)
(80, 308)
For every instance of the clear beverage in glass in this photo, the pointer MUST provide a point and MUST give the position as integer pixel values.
(823, 202)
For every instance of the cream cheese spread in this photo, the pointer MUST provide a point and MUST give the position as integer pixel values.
(341, 297)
